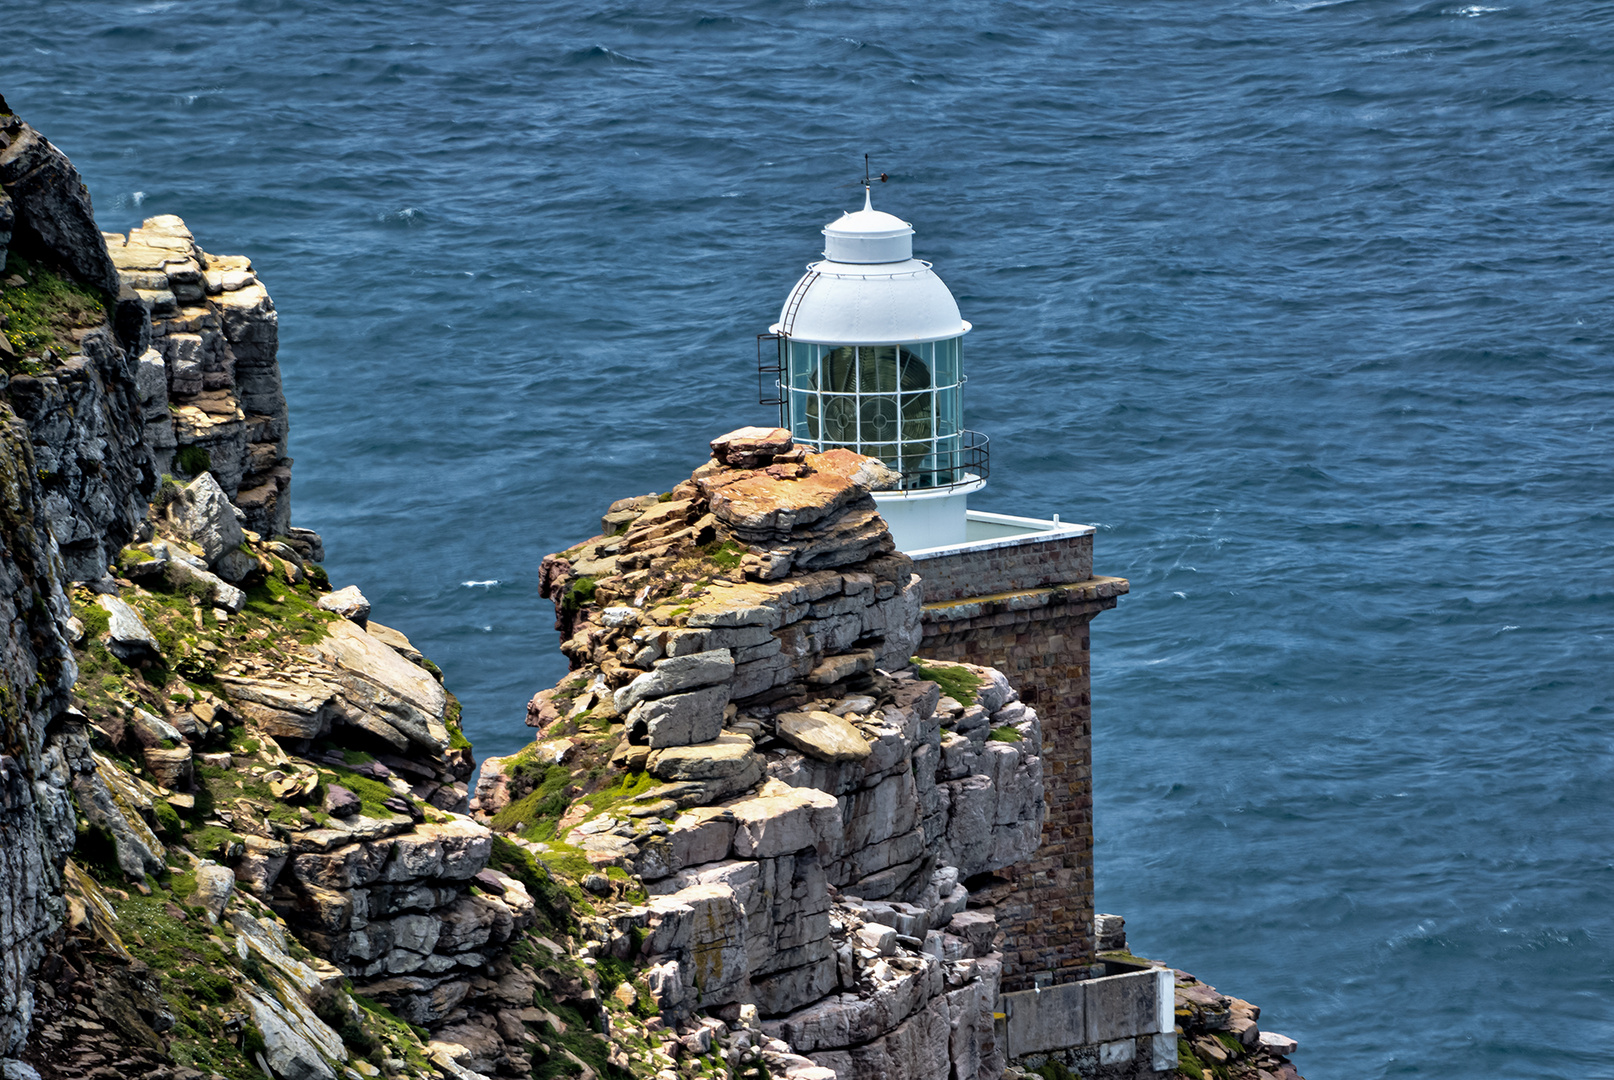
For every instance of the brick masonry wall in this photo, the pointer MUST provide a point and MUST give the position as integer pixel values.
(1026, 564)
(1039, 638)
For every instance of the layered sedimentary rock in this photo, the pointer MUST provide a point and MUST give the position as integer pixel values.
(199, 768)
(209, 381)
(801, 806)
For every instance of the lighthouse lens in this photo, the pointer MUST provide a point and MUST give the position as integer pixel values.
(879, 420)
(840, 420)
(877, 369)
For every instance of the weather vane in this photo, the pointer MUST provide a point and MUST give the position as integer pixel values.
(866, 183)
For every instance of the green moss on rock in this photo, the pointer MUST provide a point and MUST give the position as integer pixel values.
(958, 683)
(41, 313)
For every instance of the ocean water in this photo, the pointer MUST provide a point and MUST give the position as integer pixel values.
(1307, 305)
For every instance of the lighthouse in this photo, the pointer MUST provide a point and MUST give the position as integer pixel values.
(870, 358)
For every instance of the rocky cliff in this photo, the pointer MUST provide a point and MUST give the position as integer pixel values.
(774, 811)
(236, 805)
(752, 834)
(189, 710)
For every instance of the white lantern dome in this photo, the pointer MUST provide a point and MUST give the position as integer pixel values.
(869, 289)
(868, 236)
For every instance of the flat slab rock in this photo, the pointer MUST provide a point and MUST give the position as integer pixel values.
(727, 755)
(1281, 1045)
(759, 502)
(127, 637)
(823, 735)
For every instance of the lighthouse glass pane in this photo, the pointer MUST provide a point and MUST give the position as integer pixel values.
(832, 412)
(949, 407)
(877, 369)
(915, 372)
(949, 458)
(947, 362)
(804, 415)
(840, 420)
(803, 362)
(926, 352)
(916, 416)
(837, 371)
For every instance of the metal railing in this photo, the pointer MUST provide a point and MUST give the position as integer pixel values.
(966, 463)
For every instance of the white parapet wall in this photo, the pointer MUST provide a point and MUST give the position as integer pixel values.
(1105, 1017)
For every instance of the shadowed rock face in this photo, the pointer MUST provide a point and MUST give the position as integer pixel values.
(36, 676)
(52, 207)
(79, 398)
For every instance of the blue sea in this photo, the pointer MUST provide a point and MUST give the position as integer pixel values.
(1308, 306)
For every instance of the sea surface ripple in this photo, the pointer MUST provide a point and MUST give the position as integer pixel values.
(1305, 304)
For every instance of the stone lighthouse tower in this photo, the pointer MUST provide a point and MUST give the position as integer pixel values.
(870, 357)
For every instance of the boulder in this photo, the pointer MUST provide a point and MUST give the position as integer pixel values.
(675, 674)
(728, 764)
(977, 926)
(259, 868)
(340, 802)
(293, 1043)
(299, 708)
(350, 604)
(823, 735)
(181, 572)
(1280, 1045)
(375, 681)
(881, 939)
(214, 884)
(202, 514)
(111, 800)
(679, 719)
(152, 732)
(751, 447)
(127, 637)
(171, 769)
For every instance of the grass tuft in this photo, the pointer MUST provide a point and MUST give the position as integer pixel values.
(958, 683)
(41, 314)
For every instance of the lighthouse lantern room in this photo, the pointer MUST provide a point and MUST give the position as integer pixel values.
(871, 359)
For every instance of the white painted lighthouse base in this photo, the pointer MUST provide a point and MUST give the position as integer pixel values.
(927, 519)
